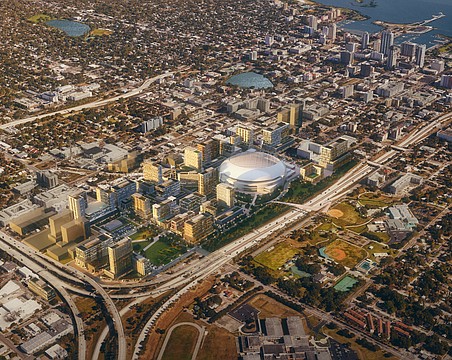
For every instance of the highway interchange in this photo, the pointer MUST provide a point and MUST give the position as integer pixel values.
(66, 279)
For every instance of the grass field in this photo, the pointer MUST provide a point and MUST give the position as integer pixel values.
(39, 18)
(100, 32)
(259, 218)
(299, 191)
(161, 253)
(219, 342)
(276, 257)
(383, 236)
(345, 253)
(326, 226)
(358, 229)
(139, 246)
(376, 201)
(378, 248)
(181, 343)
(269, 307)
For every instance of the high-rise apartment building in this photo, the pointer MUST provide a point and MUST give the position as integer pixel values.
(225, 195)
(246, 134)
(152, 172)
(198, 228)
(210, 150)
(120, 258)
(387, 40)
(193, 158)
(420, 55)
(365, 37)
(408, 49)
(208, 180)
(77, 204)
(141, 205)
(47, 179)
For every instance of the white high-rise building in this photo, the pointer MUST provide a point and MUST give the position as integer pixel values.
(392, 57)
(420, 55)
(387, 40)
(332, 29)
(365, 40)
(312, 22)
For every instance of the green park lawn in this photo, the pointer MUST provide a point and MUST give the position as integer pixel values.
(39, 18)
(276, 257)
(161, 253)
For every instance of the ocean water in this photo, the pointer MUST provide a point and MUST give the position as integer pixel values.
(400, 12)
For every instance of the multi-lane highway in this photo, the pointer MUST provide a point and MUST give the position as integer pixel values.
(46, 268)
(93, 104)
(189, 275)
(57, 284)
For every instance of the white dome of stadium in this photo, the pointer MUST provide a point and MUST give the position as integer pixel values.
(253, 171)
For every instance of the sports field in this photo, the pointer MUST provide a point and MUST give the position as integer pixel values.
(346, 215)
(276, 257)
(345, 253)
(345, 284)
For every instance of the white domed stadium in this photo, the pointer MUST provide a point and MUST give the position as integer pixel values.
(253, 171)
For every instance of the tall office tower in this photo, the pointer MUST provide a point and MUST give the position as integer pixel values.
(346, 57)
(366, 70)
(312, 22)
(387, 40)
(225, 195)
(296, 112)
(446, 81)
(152, 172)
(332, 30)
(408, 49)
(263, 105)
(246, 134)
(207, 182)
(351, 46)
(269, 40)
(120, 257)
(347, 91)
(376, 45)
(420, 55)
(193, 158)
(392, 57)
(47, 179)
(365, 40)
(77, 204)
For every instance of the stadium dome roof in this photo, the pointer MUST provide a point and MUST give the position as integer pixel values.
(253, 171)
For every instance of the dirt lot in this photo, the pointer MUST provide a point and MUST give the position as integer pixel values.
(155, 340)
(269, 307)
